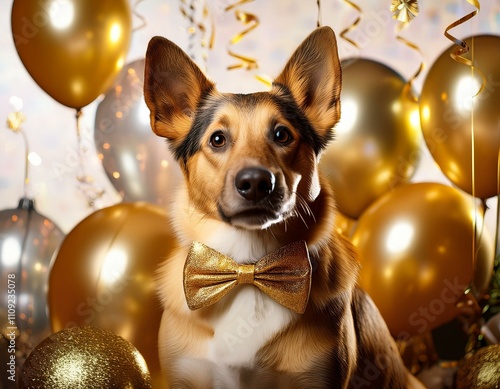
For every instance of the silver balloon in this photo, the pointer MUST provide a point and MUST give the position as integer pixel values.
(28, 241)
(137, 162)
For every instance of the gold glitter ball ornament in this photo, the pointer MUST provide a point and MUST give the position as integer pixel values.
(87, 357)
(481, 371)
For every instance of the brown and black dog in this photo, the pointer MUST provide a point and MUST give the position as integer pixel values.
(251, 186)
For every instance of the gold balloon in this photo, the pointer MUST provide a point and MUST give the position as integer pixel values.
(72, 49)
(85, 358)
(378, 138)
(103, 276)
(450, 115)
(416, 246)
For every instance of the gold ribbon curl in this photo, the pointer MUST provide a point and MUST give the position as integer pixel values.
(252, 22)
(352, 25)
(462, 49)
(404, 11)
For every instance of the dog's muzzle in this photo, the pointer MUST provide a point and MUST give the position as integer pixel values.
(257, 199)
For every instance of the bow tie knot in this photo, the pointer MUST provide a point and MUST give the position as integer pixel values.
(246, 274)
(284, 275)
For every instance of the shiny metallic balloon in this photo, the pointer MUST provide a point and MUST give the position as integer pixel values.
(72, 49)
(85, 358)
(137, 162)
(378, 138)
(103, 274)
(454, 119)
(419, 249)
(27, 242)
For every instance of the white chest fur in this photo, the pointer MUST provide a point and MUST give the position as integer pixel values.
(242, 322)
(248, 320)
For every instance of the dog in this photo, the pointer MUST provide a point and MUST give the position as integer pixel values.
(251, 187)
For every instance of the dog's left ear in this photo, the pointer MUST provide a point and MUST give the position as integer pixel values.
(173, 86)
(314, 77)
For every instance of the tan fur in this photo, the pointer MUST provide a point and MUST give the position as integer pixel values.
(341, 340)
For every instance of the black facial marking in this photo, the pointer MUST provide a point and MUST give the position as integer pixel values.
(291, 111)
(205, 113)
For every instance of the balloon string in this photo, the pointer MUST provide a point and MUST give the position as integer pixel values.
(14, 122)
(26, 162)
(139, 16)
(352, 25)
(86, 181)
(318, 21)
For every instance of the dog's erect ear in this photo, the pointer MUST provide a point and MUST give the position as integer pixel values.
(173, 86)
(314, 77)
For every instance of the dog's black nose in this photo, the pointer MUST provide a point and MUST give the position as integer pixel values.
(254, 183)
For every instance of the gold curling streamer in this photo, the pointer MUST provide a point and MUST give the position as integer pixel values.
(247, 19)
(405, 11)
(245, 61)
(353, 25)
(463, 48)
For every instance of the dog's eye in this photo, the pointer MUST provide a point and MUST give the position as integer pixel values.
(218, 139)
(282, 135)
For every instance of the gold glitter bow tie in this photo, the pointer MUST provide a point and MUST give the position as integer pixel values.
(284, 275)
